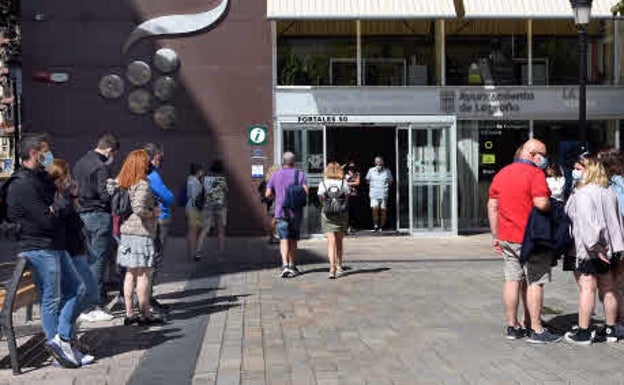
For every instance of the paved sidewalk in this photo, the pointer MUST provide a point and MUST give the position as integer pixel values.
(409, 311)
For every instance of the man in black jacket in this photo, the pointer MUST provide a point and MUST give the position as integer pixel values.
(31, 205)
(91, 173)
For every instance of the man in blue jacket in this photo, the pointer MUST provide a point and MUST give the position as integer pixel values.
(165, 199)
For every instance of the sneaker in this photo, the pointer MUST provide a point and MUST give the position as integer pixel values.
(197, 257)
(545, 337)
(606, 334)
(286, 273)
(84, 359)
(294, 270)
(150, 321)
(619, 330)
(62, 352)
(97, 315)
(579, 336)
(376, 229)
(515, 333)
(131, 320)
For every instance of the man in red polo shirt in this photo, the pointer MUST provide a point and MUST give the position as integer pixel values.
(515, 190)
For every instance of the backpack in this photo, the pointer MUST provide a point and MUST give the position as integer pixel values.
(334, 200)
(121, 205)
(182, 197)
(296, 197)
(200, 199)
(215, 194)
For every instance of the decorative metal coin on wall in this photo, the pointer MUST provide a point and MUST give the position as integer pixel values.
(111, 86)
(165, 87)
(165, 117)
(139, 101)
(166, 60)
(139, 73)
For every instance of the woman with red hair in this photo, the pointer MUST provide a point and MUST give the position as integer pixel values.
(136, 247)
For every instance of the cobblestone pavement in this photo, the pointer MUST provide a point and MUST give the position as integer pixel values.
(409, 311)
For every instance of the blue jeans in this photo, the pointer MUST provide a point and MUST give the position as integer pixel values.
(98, 232)
(92, 294)
(60, 289)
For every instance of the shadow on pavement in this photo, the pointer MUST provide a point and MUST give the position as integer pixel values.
(563, 323)
(187, 293)
(114, 340)
(192, 309)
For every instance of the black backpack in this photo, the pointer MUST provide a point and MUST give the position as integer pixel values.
(120, 204)
(200, 199)
(296, 197)
(334, 200)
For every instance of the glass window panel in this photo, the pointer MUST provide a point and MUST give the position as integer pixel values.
(316, 53)
(398, 53)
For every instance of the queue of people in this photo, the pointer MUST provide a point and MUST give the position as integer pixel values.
(67, 224)
(533, 226)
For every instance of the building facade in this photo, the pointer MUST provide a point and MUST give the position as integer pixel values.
(444, 90)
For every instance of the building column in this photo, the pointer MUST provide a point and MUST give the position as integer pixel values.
(440, 49)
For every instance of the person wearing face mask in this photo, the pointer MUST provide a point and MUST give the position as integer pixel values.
(91, 173)
(352, 177)
(598, 239)
(32, 205)
(379, 179)
(515, 191)
(164, 198)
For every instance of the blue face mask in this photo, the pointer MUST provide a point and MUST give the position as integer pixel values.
(47, 160)
(543, 163)
(577, 175)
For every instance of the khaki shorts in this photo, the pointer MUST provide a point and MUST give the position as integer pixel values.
(536, 270)
(193, 219)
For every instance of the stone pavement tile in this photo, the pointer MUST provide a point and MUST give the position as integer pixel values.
(204, 379)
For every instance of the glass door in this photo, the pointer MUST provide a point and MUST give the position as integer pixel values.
(426, 177)
(308, 144)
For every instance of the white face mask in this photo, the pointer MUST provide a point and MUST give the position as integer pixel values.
(577, 175)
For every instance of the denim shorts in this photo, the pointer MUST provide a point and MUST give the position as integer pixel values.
(289, 228)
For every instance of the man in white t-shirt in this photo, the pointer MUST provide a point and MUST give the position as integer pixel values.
(379, 179)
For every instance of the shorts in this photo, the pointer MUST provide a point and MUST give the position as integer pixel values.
(289, 228)
(214, 217)
(536, 270)
(193, 219)
(383, 203)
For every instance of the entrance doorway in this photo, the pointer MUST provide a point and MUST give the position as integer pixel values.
(361, 144)
(420, 152)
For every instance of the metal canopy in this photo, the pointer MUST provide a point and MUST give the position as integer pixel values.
(359, 9)
(531, 9)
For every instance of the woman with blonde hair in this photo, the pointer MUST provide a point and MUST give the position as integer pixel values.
(598, 237)
(136, 248)
(333, 193)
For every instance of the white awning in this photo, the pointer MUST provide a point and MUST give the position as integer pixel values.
(360, 9)
(531, 9)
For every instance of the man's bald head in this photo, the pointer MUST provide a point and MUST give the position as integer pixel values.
(532, 147)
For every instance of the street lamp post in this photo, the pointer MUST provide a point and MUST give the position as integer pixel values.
(582, 14)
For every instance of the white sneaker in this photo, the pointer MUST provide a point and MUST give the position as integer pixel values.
(96, 315)
(63, 352)
(84, 359)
